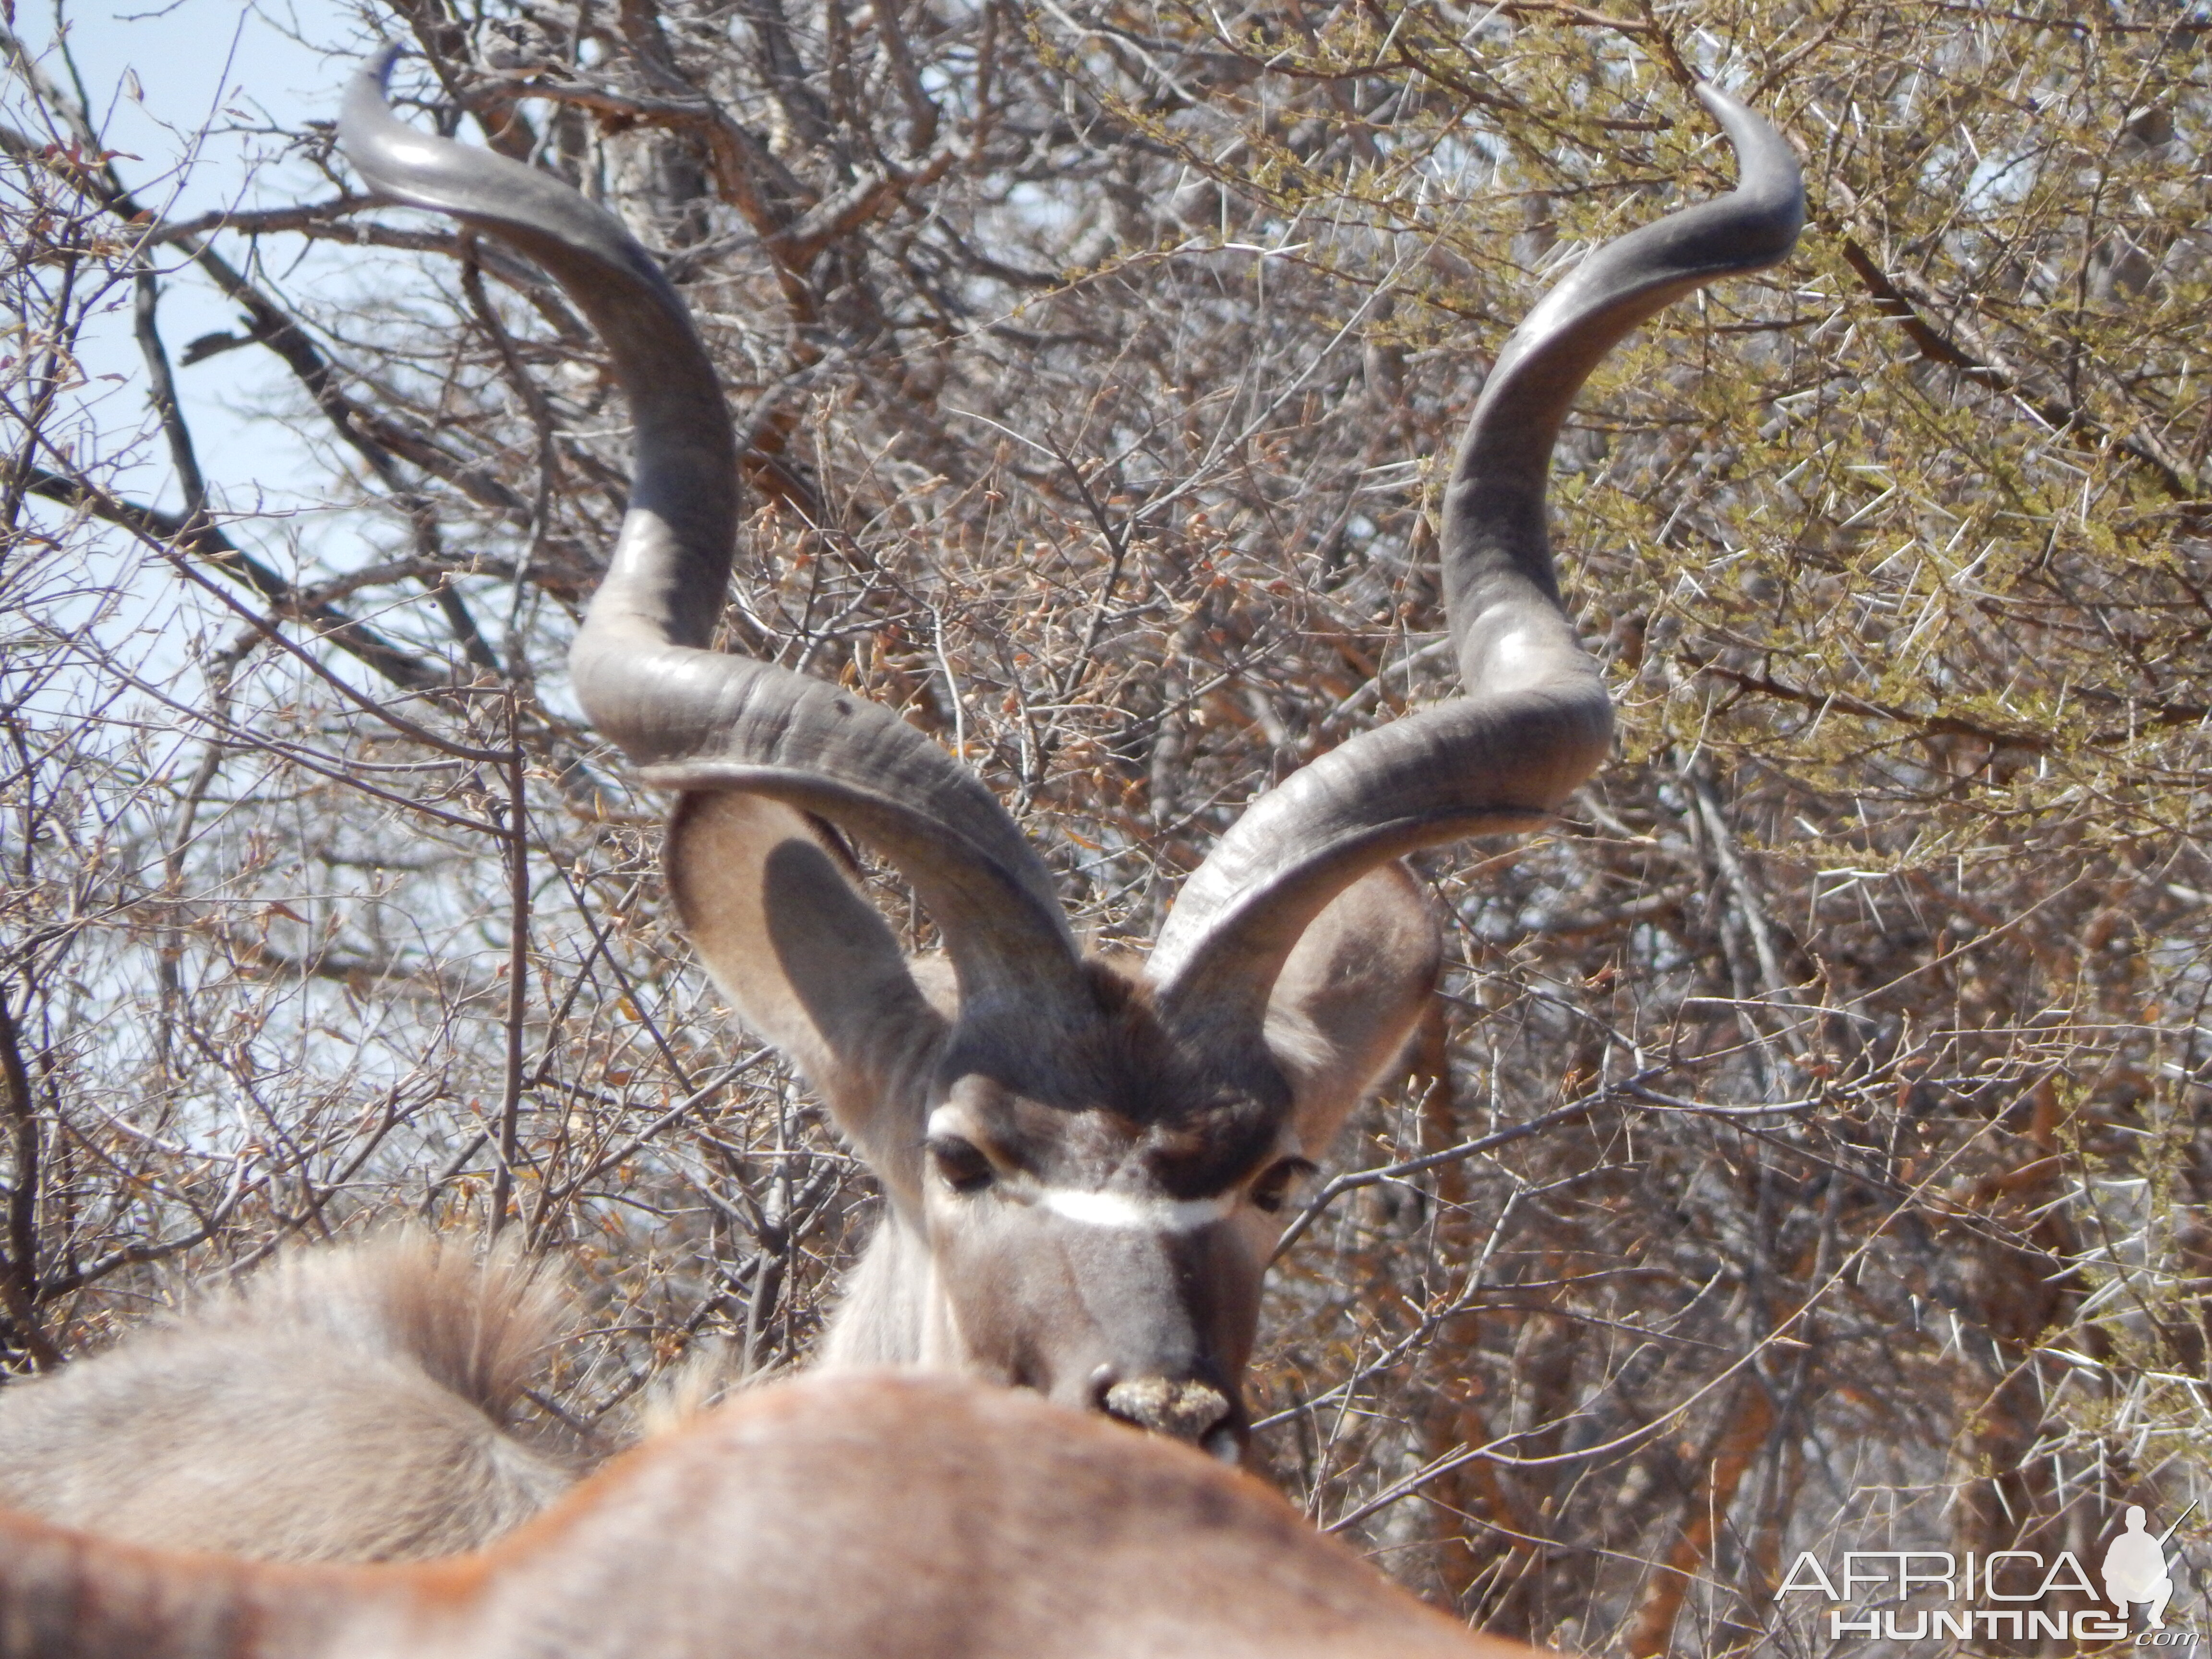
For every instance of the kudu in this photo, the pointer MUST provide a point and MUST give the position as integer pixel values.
(349, 1404)
(1084, 1162)
(868, 1515)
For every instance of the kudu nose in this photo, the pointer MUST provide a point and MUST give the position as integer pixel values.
(1186, 1410)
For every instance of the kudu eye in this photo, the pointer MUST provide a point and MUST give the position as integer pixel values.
(1272, 1189)
(962, 1162)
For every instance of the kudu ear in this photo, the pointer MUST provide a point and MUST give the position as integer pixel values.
(1350, 995)
(807, 961)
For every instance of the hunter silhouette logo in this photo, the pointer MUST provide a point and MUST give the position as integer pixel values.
(2134, 1567)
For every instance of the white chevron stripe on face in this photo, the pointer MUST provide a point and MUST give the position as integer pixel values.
(1132, 1212)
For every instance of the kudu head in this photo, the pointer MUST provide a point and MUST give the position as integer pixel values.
(1087, 1160)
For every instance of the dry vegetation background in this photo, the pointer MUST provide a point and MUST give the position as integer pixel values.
(1092, 362)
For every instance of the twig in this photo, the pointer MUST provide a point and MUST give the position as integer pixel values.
(517, 964)
(19, 1272)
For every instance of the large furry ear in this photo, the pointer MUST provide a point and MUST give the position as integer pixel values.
(1349, 997)
(810, 964)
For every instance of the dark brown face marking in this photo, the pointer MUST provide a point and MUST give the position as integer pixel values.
(1213, 1149)
(1197, 1154)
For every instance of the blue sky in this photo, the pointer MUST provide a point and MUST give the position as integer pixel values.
(191, 93)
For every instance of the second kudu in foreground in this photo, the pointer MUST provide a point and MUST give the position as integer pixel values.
(348, 1403)
(866, 1517)
(1084, 1163)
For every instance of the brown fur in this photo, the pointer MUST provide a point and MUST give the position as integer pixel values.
(345, 1404)
(875, 1515)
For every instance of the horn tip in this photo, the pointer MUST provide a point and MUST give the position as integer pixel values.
(1770, 182)
(1722, 104)
(377, 66)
